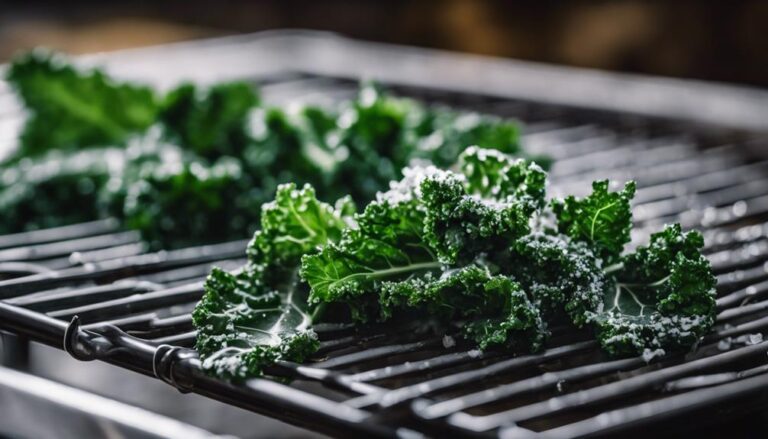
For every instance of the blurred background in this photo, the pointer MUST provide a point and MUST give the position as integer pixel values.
(719, 40)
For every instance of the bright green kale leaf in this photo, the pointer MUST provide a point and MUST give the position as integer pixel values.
(213, 122)
(293, 225)
(659, 297)
(387, 246)
(603, 219)
(249, 320)
(69, 109)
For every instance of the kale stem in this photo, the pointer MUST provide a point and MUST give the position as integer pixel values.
(615, 267)
(318, 312)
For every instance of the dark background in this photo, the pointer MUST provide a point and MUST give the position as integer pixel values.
(722, 41)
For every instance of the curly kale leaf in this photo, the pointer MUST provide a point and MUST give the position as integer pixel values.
(498, 312)
(355, 150)
(603, 219)
(382, 134)
(388, 245)
(659, 297)
(484, 211)
(70, 109)
(387, 265)
(293, 225)
(278, 153)
(249, 320)
(376, 133)
(560, 274)
(495, 175)
(211, 122)
(469, 249)
(244, 325)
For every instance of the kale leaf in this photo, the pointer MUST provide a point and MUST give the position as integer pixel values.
(659, 297)
(41, 192)
(193, 191)
(492, 174)
(562, 275)
(243, 325)
(603, 219)
(380, 135)
(476, 249)
(250, 319)
(293, 225)
(496, 310)
(398, 257)
(355, 148)
(387, 246)
(483, 210)
(70, 109)
(445, 134)
(211, 122)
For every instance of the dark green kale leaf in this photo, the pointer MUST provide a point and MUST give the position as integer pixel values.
(278, 153)
(496, 175)
(249, 320)
(388, 265)
(603, 219)
(181, 203)
(213, 122)
(485, 210)
(559, 273)
(373, 132)
(470, 250)
(56, 189)
(244, 325)
(354, 150)
(659, 297)
(497, 311)
(382, 134)
(69, 109)
(444, 134)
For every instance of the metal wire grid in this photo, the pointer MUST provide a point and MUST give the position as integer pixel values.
(93, 290)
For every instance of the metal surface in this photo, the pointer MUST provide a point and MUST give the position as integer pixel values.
(693, 162)
(27, 400)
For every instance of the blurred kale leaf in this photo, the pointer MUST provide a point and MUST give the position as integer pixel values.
(208, 157)
(70, 109)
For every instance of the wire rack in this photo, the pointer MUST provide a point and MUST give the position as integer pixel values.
(93, 290)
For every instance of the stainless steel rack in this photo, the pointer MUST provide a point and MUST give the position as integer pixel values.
(93, 290)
